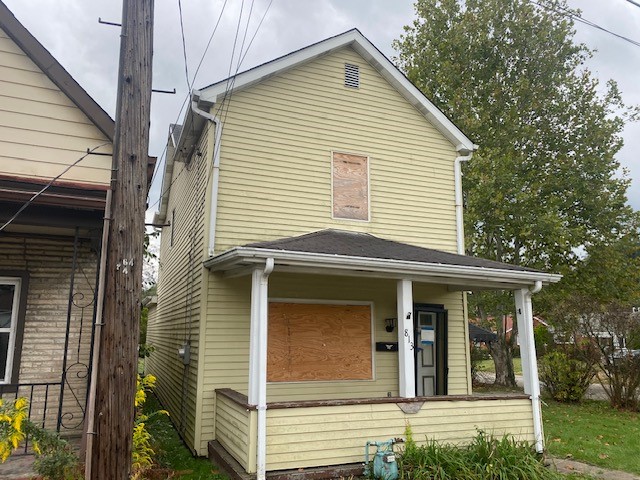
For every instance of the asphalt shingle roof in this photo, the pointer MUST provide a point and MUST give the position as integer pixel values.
(340, 242)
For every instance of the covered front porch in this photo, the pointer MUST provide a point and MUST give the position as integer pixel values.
(317, 410)
(307, 434)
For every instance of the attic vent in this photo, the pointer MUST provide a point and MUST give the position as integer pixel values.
(351, 75)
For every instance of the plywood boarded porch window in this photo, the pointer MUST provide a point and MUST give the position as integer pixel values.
(350, 180)
(319, 342)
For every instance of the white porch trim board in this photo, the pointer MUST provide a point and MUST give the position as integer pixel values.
(258, 358)
(406, 345)
(524, 316)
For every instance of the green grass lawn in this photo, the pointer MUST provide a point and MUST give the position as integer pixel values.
(594, 433)
(172, 454)
(489, 366)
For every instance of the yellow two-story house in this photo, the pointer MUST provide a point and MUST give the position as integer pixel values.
(311, 291)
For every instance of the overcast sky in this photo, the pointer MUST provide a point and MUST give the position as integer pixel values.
(89, 51)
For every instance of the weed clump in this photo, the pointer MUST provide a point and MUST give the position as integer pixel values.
(485, 458)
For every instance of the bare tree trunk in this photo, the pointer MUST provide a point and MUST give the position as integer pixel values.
(503, 360)
(501, 353)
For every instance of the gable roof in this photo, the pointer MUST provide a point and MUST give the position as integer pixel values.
(356, 254)
(56, 72)
(356, 40)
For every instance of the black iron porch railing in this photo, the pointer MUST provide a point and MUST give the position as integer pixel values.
(59, 405)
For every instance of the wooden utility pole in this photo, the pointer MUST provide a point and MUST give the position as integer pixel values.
(118, 363)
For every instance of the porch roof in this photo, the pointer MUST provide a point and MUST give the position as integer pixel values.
(355, 254)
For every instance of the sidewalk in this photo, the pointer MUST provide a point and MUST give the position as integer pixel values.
(595, 392)
(17, 467)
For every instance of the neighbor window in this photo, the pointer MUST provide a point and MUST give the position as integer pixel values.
(319, 342)
(9, 309)
(350, 182)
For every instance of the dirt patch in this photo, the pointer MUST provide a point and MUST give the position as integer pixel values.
(565, 465)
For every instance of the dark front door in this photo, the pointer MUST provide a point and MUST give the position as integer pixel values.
(431, 352)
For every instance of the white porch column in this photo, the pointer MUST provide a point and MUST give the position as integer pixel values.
(524, 312)
(258, 358)
(406, 346)
(254, 338)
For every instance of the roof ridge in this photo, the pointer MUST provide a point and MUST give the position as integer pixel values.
(293, 52)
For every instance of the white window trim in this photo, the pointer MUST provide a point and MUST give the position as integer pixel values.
(335, 302)
(15, 307)
(340, 219)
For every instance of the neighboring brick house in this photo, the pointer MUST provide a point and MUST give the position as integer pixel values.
(311, 285)
(49, 251)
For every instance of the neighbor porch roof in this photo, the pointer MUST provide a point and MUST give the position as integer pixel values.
(338, 252)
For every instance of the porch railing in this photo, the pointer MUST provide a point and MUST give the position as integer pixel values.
(334, 432)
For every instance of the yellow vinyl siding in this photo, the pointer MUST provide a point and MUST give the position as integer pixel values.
(226, 361)
(276, 149)
(318, 436)
(236, 431)
(177, 317)
(41, 129)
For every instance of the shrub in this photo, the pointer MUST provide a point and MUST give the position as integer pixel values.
(486, 457)
(543, 340)
(145, 350)
(565, 377)
(143, 452)
(12, 419)
(55, 459)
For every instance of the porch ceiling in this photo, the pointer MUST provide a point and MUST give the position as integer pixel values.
(335, 252)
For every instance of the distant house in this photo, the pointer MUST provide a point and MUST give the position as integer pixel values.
(478, 334)
(49, 251)
(310, 293)
(537, 322)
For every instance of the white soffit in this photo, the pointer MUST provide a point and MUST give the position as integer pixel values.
(372, 55)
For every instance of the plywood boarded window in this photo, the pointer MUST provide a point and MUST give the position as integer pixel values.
(350, 186)
(319, 342)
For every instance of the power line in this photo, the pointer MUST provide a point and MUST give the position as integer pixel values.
(233, 50)
(208, 44)
(51, 182)
(184, 102)
(580, 19)
(184, 44)
(226, 101)
(255, 33)
(632, 2)
(190, 86)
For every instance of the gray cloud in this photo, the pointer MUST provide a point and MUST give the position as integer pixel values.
(89, 51)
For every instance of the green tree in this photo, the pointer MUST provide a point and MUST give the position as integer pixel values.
(544, 187)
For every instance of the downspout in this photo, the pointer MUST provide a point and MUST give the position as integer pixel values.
(535, 381)
(465, 155)
(91, 400)
(537, 286)
(457, 177)
(261, 454)
(213, 211)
